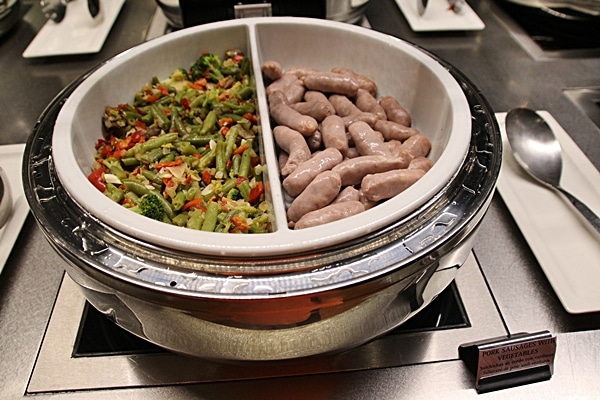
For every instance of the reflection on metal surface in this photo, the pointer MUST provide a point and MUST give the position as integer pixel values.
(57, 370)
(588, 101)
(542, 39)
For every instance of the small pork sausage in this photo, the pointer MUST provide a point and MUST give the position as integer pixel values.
(272, 70)
(285, 115)
(417, 145)
(366, 140)
(394, 131)
(315, 141)
(353, 170)
(363, 81)
(349, 193)
(330, 213)
(394, 110)
(422, 163)
(301, 71)
(368, 204)
(319, 110)
(343, 105)
(295, 92)
(352, 153)
(313, 95)
(319, 193)
(331, 82)
(282, 159)
(333, 132)
(369, 118)
(281, 84)
(386, 185)
(302, 176)
(277, 97)
(396, 150)
(294, 144)
(367, 103)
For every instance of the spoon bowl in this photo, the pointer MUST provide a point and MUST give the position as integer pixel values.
(538, 152)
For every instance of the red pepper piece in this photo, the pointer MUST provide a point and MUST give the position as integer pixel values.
(175, 163)
(96, 179)
(206, 177)
(256, 193)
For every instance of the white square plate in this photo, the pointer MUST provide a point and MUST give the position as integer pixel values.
(77, 33)
(566, 247)
(439, 17)
(11, 160)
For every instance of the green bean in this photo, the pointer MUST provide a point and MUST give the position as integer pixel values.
(151, 156)
(210, 218)
(180, 219)
(160, 117)
(130, 161)
(176, 121)
(221, 161)
(192, 191)
(209, 123)
(136, 187)
(171, 156)
(198, 101)
(235, 165)
(245, 92)
(115, 168)
(178, 201)
(135, 199)
(201, 140)
(114, 193)
(245, 162)
(164, 101)
(132, 115)
(244, 188)
(169, 212)
(159, 141)
(152, 176)
(230, 140)
(196, 220)
(186, 148)
(207, 159)
(228, 185)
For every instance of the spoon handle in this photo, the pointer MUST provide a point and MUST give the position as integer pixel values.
(583, 209)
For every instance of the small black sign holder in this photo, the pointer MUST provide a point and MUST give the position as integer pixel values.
(509, 361)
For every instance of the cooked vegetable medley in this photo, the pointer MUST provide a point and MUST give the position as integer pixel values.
(186, 151)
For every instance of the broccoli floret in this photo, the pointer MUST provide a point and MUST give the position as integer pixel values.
(179, 74)
(207, 66)
(151, 207)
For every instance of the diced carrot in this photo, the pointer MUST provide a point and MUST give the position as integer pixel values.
(194, 203)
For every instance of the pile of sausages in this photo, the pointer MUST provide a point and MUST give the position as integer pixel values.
(341, 150)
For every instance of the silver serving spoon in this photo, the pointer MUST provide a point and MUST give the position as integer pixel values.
(6, 203)
(538, 152)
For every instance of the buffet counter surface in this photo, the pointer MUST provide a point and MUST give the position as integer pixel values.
(506, 74)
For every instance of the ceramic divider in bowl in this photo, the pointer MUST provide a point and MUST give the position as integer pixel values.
(435, 100)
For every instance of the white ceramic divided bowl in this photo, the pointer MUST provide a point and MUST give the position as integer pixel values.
(436, 102)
